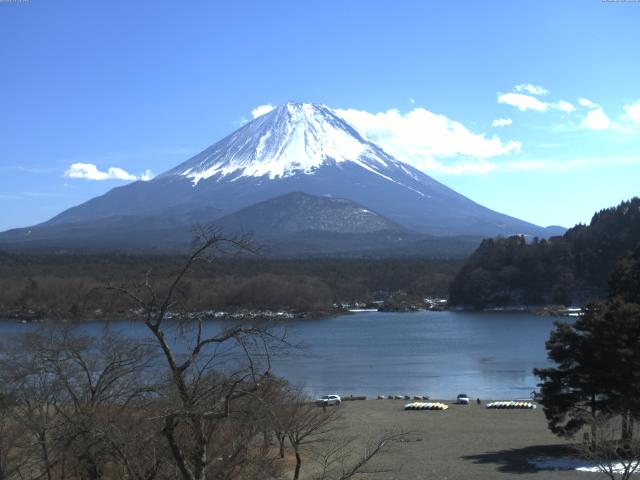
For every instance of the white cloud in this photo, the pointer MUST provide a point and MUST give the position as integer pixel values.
(528, 165)
(89, 171)
(585, 102)
(596, 119)
(525, 102)
(147, 175)
(632, 112)
(568, 165)
(425, 140)
(261, 110)
(522, 102)
(412, 100)
(564, 106)
(532, 89)
(501, 122)
(459, 167)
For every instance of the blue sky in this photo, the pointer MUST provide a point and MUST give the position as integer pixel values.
(137, 87)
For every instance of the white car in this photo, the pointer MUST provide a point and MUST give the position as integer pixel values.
(463, 399)
(328, 400)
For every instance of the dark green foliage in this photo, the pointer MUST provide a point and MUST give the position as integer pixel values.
(597, 362)
(625, 281)
(510, 271)
(561, 270)
(593, 358)
(597, 368)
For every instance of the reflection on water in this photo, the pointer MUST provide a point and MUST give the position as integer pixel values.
(486, 355)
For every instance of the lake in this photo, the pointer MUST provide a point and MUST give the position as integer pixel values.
(483, 354)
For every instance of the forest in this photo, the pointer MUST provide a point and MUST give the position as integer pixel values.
(72, 286)
(570, 269)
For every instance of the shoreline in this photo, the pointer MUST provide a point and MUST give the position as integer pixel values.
(31, 316)
(241, 315)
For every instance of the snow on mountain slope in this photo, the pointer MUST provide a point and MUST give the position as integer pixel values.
(294, 138)
(297, 147)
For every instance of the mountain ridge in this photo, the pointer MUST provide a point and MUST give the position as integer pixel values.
(301, 212)
(294, 148)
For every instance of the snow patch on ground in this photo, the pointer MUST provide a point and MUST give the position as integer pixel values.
(587, 466)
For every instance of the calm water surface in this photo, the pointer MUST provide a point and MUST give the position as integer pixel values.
(486, 355)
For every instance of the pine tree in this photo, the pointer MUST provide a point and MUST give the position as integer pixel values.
(597, 358)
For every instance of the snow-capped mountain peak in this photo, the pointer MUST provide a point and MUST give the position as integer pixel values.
(291, 139)
(297, 148)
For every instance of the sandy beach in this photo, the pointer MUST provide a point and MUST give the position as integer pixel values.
(463, 442)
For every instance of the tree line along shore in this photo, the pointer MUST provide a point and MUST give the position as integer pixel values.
(64, 286)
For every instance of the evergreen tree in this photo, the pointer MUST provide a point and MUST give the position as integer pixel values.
(576, 390)
(597, 360)
(567, 269)
(625, 280)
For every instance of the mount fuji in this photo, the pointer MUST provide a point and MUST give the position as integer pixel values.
(295, 148)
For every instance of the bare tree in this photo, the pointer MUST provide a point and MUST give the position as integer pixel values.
(308, 425)
(342, 459)
(211, 374)
(14, 443)
(73, 395)
(616, 456)
(35, 397)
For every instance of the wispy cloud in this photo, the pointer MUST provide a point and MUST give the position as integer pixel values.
(529, 165)
(523, 102)
(532, 89)
(568, 165)
(424, 139)
(588, 115)
(585, 102)
(89, 171)
(501, 122)
(632, 112)
(527, 101)
(595, 119)
(261, 110)
(564, 106)
(457, 167)
(146, 175)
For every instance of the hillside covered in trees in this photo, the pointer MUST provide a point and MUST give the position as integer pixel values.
(71, 286)
(570, 269)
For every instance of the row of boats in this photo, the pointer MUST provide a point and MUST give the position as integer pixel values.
(426, 406)
(512, 404)
(509, 404)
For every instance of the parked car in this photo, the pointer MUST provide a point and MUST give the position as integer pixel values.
(328, 400)
(462, 399)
